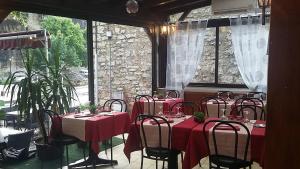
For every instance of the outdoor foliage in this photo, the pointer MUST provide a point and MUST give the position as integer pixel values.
(58, 89)
(71, 37)
(27, 91)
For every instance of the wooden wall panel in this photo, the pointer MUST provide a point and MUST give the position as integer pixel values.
(283, 126)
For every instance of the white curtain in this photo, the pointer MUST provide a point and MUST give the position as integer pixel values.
(185, 47)
(250, 44)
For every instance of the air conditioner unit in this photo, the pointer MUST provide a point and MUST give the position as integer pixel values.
(229, 6)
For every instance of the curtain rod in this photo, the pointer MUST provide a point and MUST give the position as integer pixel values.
(220, 19)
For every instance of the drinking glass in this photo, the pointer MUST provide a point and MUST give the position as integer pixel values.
(246, 116)
(228, 97)
(179, 111)
(160, 113)
(223, 117)
(76, 111)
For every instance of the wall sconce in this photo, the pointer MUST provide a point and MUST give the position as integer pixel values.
(263, 4)
(164, 30)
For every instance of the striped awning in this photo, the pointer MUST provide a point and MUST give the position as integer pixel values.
(23, 40)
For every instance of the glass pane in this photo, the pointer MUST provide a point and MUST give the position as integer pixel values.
(206, 69)
(228, 70)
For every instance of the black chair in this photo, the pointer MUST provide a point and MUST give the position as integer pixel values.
(140, 99)
(188, 108)
(10, 120)
(225, 94)
(257, 105)
(172, 94)
(215, 100)
(109, 104)
(259, 95)
(255, 112)
(157, 152)
(59, 139)
(219, 159)
(122, 105)
(17, 147)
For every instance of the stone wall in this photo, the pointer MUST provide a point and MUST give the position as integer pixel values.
(131, 60)
(228, 71)
(131, 57)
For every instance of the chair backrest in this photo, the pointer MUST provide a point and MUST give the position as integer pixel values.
(219, 102)
(257, 103)
(116, 105)
(20, 140)
(140, 99)
(225, 94)
(56, 126)
(255, 112)
(160, 126)
(188, 108)
(240, 142)
(172, 94)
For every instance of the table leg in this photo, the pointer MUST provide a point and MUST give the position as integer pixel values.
(173, 159)
(93, 160)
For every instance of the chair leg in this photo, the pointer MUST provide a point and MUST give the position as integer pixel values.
(61, 161)
(123, 138)
(67, 154)
(181, 154)
(84, 156)
(111, 150)
(200, 164)
(142, 160)
(105, 144)
(156, 163)
(163, 164)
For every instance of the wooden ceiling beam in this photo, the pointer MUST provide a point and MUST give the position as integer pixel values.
(184, 15)
(173, 3)
(3, 14)
(77, 11)
(186, 7)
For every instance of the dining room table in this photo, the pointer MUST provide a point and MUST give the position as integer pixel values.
(161, 105)
(95, 128)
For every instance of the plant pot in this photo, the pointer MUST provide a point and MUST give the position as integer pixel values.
(47, 152)
(199, 120)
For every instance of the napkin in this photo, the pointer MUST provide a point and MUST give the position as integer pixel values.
(161, 121)
(225, 127)
(83, 115)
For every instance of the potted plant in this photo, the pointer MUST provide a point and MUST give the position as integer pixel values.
(28, 91)
(199, 117)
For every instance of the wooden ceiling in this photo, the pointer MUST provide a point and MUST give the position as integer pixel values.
(110, 11)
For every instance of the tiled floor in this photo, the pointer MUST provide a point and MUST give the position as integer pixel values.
(148, 164)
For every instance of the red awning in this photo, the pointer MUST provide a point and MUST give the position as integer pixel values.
(23, 40)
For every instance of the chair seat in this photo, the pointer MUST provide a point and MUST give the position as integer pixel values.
(230, 162)
(64, 140)
(161, 153)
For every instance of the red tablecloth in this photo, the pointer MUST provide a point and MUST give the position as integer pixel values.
(99, 128)
(167, 103)
(196, 148)
(179, 137)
